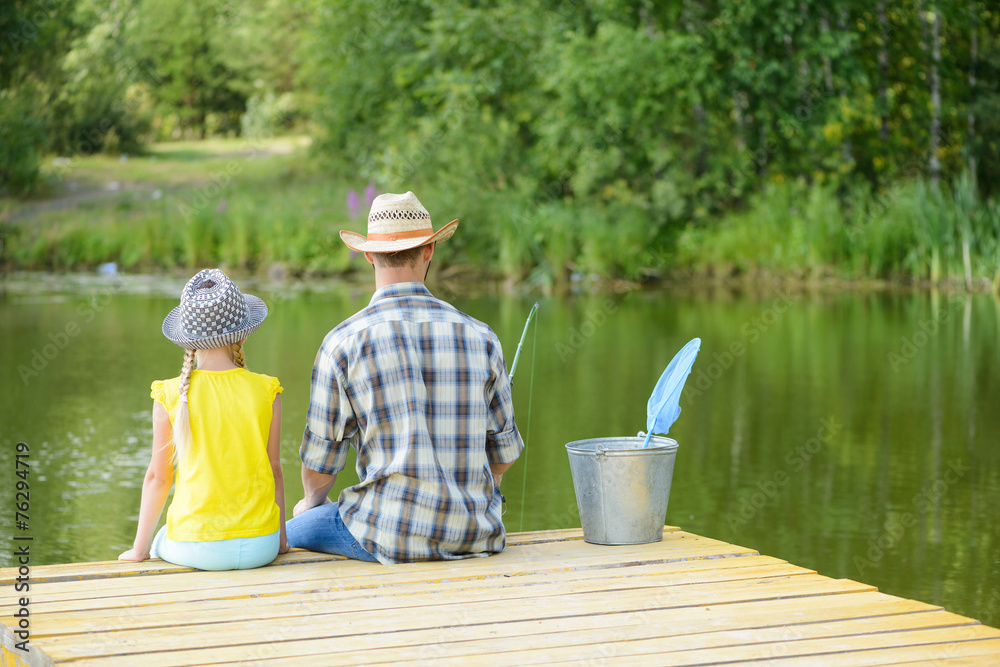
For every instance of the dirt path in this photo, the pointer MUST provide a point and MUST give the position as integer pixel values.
(71, 193)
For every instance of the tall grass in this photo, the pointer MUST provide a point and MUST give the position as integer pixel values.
(255, 228)
(909, 232)
(289, 214)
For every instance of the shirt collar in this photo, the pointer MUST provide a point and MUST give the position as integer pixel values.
(397, 290)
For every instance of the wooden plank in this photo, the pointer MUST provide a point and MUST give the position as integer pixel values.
(441, 640)
(527, 537)
(53, 623)
(549, 597)
(673, 574)
(108, 569)
(528, 559)
(398, 595)
(112, 569)
(667, 638)
(985, 656)
(369, 615)
(834, 651)
(982, 653)
(261, 583)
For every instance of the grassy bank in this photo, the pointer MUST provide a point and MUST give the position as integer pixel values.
(256, 207)
(910, 233)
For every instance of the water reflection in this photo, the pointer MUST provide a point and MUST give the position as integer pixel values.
(852, 433)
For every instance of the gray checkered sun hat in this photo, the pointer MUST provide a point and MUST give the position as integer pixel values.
(213, 313)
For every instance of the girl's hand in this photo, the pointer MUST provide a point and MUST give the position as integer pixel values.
(134, 555)
(283, 549)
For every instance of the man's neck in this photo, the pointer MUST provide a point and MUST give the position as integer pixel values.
(391, 275)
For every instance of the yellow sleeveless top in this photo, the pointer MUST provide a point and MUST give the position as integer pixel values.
(224, 487)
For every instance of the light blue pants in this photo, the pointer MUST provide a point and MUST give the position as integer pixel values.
(240, 553)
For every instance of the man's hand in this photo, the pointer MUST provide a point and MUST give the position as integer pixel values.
(498, 469)
(316, 486)
(304, 506)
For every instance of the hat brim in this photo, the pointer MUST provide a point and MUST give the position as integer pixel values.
(360, 242)
(256, 312)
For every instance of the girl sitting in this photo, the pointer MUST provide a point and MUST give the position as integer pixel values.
(220, 425)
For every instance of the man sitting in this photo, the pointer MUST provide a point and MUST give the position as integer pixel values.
(421, 391)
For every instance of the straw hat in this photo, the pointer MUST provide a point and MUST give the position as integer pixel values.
(213, 313)
(397, 222)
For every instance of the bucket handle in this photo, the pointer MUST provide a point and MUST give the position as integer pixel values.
(599, 452)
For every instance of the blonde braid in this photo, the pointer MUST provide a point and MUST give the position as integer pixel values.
(182, 420)
(236, 350)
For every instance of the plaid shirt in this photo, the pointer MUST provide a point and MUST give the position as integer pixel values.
(421, 391)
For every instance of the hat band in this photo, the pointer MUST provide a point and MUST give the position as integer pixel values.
(395, 236)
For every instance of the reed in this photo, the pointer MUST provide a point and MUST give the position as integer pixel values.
(286, 210)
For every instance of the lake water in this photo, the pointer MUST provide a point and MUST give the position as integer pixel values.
(852, 433)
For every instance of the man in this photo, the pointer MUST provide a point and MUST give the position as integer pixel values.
(421, 391)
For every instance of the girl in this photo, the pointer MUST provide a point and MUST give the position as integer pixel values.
(220, 425)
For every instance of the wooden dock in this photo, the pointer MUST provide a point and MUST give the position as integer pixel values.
(548, 598)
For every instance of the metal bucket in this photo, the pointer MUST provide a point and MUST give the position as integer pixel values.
(622, 489)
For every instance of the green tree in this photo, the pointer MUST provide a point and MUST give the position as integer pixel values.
(179, 45)
(103, 102)
(34, 36)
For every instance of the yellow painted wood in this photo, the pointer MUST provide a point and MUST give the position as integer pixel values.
(548, 598)
(10, 658)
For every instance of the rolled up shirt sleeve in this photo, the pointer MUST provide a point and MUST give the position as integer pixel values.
(330, 420)
(503, 442)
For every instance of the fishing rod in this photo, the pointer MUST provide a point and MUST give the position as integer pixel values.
(531, 386)
(520, 344)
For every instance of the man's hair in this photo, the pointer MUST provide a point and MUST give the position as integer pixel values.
(406, 257)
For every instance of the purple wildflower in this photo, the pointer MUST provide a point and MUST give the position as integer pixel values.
(353, 204)
(370, 193)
